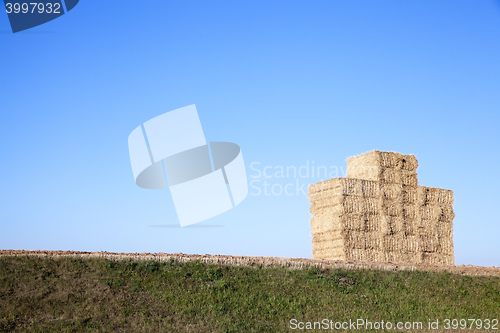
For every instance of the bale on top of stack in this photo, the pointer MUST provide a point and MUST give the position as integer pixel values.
(379, 213)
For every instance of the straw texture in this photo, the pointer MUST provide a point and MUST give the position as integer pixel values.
(379, 213)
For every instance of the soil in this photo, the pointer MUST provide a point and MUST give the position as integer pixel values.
(259, 262)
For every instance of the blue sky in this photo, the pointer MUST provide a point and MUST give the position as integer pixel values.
(292, 82)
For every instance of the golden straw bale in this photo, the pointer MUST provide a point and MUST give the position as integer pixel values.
(392, 207)
(390, 176)
(336, 186)
(394, 256)
(429, 243)
(409, 178)
(332, 244)
(410, 212)
(392, 242)
(391, 191)
(445, 230)
(370, 166)
(361, 240)
(362, 254)
(411, 243)
(430, 211)
(410, 227)
(327, 237)
(434, 195)
(409, 194)
(356, 222)
(321, 223)
(447, 217)
(332, 254)
(409, 163)
(437, 259)
(373, 222)
(392, 225)
(371, 189)
(446, 246)
(347, 204)
(325, 222)
(361, 222)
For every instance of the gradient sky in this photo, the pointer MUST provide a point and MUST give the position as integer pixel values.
(294, 83)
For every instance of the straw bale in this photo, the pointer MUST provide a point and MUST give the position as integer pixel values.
(392, 225)
(434, 195)
(370, 188)
(392, 243)
(374, 222)
(409, 178)
(390, 176)
(429, 243)
(371, 165)
(343, 186)
(447, 214)
(346, 205)
(409, 194)
(335, 186)
(446, 246)
(410, 227)
(332, 244)
(362, 255)
(392, 207)
(385, 160)
(445, 230)
(332, 254)
(399, 256)
(431, 211)
(361, 240)
(365, 166)
(389, 159)
(360, 222)
(409, 163)
(331, 236)
(356, 222)
(391, 191)
(411, 243)
(322, 223)
(428, 227)
(437, 259)
(410, 212)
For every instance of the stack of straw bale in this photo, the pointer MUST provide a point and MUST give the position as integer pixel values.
(379, 213)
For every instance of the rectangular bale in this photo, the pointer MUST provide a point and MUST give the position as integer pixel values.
(331, 254)
(370, 165)
(434, 195)
(437, 259)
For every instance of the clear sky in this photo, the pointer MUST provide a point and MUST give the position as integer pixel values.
(294, 83)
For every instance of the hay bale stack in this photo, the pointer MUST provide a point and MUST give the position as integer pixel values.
(379, 213)
(436, 225)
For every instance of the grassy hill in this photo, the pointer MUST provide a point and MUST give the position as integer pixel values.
(99, 295)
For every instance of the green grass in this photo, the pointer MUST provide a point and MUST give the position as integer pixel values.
(91, 295)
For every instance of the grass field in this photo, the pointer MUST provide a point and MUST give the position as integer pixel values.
(99, 295)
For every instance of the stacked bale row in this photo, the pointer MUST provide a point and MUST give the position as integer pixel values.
(397, 179)
(380, 213)
(436, 225)
(346, 219)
